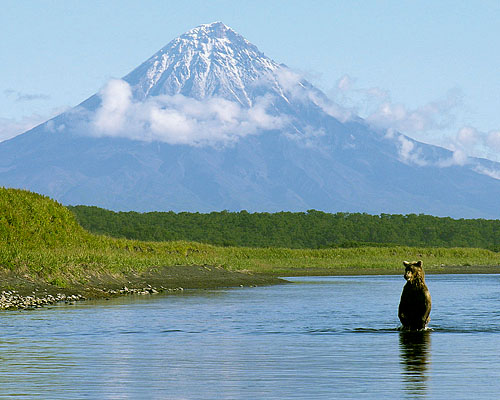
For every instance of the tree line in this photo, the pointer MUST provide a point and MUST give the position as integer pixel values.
(312, 229)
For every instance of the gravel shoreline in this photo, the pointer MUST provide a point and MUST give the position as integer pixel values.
(26, 293)
(13, 300)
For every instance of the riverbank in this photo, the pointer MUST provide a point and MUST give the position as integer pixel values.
(46, 255)
(26, 292)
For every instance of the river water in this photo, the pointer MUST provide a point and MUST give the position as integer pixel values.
(317, 338)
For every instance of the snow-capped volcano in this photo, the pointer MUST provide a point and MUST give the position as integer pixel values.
(210, 60)
(209, 86)
(211, 123)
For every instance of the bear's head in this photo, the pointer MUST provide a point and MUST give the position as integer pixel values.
(414, 271)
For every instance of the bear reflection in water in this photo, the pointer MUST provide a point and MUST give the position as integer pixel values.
(414, 349)
(414, 340)
(415, 304)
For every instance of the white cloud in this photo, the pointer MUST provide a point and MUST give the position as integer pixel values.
(178, 119)
(291, 82)
(406, 148)
(295, 87)
(331, 108)
(410, 153)
(458, 157)
(434, 115)
(495, 174)
(433, 122)
(467, 136)
(376, 106)
(390, 133)
(116, 102)
(474, 143)
(493, 140)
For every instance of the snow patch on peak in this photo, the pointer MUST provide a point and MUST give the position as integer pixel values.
(215, 30)
(209, 60)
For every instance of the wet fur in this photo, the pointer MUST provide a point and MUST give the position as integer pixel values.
(415, 305)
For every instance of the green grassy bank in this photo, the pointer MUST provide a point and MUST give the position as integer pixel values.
(41, 240)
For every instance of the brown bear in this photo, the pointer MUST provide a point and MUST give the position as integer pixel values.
(415, 304)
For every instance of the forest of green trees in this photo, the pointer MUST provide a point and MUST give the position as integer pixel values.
(312, 229)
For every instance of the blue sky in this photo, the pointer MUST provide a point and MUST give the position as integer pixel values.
(429, 69)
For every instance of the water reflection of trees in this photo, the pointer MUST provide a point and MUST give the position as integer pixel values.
(414, 357)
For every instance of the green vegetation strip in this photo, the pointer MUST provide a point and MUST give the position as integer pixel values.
(299, 230)
(41, 240)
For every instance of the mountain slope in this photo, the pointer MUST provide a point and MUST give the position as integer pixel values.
(210, 123)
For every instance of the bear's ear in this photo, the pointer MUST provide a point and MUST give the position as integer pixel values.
(406, 263)
(418, 263)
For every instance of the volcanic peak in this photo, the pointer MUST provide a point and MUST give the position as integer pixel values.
(209, 60)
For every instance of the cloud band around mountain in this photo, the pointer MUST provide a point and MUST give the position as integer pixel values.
(179, 119)
(216, 121)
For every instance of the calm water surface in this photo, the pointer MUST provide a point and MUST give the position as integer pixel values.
(318, 338)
